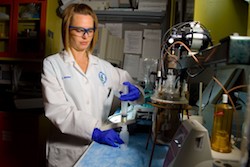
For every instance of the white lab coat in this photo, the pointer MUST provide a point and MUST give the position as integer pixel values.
(77, 102)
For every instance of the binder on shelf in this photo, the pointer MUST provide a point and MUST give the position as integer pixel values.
(114, 53)
(101, 46)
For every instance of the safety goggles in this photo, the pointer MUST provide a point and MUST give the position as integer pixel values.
(80, 31)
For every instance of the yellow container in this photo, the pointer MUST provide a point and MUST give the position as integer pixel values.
(222, 127)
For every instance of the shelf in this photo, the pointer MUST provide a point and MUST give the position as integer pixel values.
(13, 59)
(3, 20)
(27, 38)
(4, 38)
(28, 19)
(131, 16)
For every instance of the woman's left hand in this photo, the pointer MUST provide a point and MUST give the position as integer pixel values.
(133, 93)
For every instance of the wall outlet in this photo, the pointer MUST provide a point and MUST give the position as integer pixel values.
(50, 34)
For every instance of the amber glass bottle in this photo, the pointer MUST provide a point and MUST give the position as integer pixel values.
(222, 126)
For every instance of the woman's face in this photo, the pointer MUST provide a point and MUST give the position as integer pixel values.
(81, 32)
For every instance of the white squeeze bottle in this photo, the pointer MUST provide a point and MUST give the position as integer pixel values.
(124, 135)
(124, 106)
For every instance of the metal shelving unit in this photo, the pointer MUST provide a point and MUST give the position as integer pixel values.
(131, 16)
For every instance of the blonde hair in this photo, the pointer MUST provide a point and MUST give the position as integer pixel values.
(67, 19)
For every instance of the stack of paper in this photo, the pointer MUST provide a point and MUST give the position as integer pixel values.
(151, 43)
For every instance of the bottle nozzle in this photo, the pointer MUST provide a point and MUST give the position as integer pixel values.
(224, 98)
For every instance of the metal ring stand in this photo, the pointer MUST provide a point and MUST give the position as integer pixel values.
(162, 105)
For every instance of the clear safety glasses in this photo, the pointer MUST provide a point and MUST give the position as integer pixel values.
(80, 31)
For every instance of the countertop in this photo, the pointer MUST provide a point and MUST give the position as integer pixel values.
(134, 155)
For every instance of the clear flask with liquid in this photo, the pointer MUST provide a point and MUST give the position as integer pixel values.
(222, 127)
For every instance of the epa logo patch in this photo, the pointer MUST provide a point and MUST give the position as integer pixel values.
(102, 77)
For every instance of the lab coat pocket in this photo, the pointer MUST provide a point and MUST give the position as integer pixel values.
(109, 96)
(66, 157)
(106, 95)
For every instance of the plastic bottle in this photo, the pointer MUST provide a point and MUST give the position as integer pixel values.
(222, 127)
(124, 135)
(124, 107)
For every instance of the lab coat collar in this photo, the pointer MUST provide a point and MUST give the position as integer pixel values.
(93, 59)
(69, 58)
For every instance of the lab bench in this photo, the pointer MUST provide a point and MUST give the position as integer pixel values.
(134, 154)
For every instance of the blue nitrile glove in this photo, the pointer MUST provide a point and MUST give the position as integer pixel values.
(109, 137)
(133, 93)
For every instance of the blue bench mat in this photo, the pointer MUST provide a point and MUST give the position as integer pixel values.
(134, 155)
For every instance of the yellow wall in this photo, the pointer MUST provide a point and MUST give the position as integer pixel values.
(248, 27)
(53, 24)
(222, 17)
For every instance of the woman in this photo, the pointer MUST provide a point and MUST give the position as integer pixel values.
(78, 90)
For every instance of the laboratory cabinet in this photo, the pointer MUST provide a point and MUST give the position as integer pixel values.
(22, 29)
